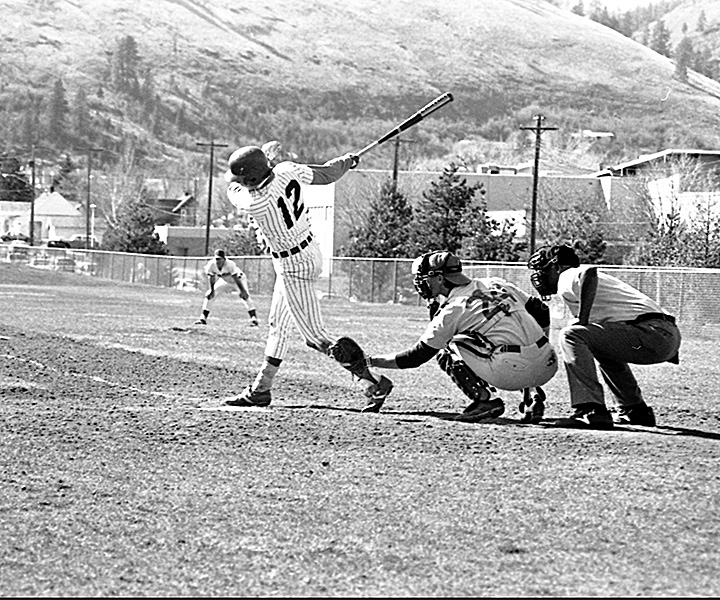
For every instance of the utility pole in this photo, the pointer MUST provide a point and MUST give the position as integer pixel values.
(538, 130)
(32, 201)
(395, 162)
(212, 145)
(88, 241)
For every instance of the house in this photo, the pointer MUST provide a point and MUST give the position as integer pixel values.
(673, 180)
(54, 218)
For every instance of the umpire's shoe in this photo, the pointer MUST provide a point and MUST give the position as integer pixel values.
(588, 416)
(376, 394)
(637, 414)
(479, 410)
(250, 397)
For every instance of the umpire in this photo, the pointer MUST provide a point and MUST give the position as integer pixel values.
(616, 326)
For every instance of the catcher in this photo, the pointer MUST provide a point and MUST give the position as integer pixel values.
(486, 335)
(616, 325)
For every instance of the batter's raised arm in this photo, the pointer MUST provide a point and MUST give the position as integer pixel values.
(334, 169)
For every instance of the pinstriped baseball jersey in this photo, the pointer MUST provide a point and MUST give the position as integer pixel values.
(279, 211)
(279, 207)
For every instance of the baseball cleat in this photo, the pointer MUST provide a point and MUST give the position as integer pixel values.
(637, 414)
(201, 321)
(377, 393)
(250, 397)
(479, 410)
(532, 406)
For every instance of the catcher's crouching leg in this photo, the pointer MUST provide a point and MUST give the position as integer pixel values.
(475, 388)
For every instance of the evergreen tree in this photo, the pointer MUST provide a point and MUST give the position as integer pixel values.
(485, 238)
(684, 59)
(134, 231)
(80, 114)
(701, 22)
(660, 39)
(579, 9)
(125, 67)
(58, 113)
(14, 184)
(438, 222)
(386, 230)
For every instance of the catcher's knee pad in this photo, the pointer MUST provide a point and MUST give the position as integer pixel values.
(462, 376)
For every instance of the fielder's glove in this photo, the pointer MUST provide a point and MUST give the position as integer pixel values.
(350, 355)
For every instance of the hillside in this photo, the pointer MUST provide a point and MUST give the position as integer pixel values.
(327, 78)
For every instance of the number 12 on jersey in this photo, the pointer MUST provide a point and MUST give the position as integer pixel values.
(292, 194)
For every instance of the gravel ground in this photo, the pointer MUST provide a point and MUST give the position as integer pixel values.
(124, 475)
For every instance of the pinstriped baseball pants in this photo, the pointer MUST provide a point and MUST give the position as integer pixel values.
(295, 301)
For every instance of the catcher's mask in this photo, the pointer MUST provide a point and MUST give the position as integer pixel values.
(437, 263)
(249, 167)
(543, 261)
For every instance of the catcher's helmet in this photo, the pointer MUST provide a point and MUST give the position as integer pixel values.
(437, 263)
(249, 167)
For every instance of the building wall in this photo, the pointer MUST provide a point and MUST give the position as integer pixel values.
(505, 194)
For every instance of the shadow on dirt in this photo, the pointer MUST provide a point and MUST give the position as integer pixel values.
(559, 424)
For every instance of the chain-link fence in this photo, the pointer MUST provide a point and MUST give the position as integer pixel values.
(692, 295)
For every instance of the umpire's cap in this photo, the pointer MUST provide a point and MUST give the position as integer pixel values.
(440, 263)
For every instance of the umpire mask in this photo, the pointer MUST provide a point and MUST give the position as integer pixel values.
(544, 264)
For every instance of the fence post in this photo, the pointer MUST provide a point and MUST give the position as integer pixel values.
(372, 280)
(395, 278)
(331, 266)
(350, 280)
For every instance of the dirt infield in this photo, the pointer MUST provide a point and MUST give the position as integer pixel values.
(124, 475)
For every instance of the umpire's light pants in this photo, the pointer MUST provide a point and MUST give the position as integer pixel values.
(614, 345)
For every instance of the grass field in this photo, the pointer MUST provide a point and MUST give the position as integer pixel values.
(122, 474)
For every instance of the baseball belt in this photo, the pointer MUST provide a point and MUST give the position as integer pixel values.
(515, 348)
(653, 317)
(285, 253)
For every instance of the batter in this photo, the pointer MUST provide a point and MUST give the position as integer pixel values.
(273, 197)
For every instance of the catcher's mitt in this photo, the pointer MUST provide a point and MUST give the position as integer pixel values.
(350, 355)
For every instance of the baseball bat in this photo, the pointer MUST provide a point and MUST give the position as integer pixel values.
(429, 108)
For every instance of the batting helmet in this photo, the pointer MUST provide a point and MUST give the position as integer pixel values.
(249, 167)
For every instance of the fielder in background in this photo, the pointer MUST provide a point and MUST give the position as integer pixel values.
(273, 197)
(225, 276)
(616, 326)
(486, 334)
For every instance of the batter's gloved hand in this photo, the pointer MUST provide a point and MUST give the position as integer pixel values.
(355, 160)
(350, 355)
